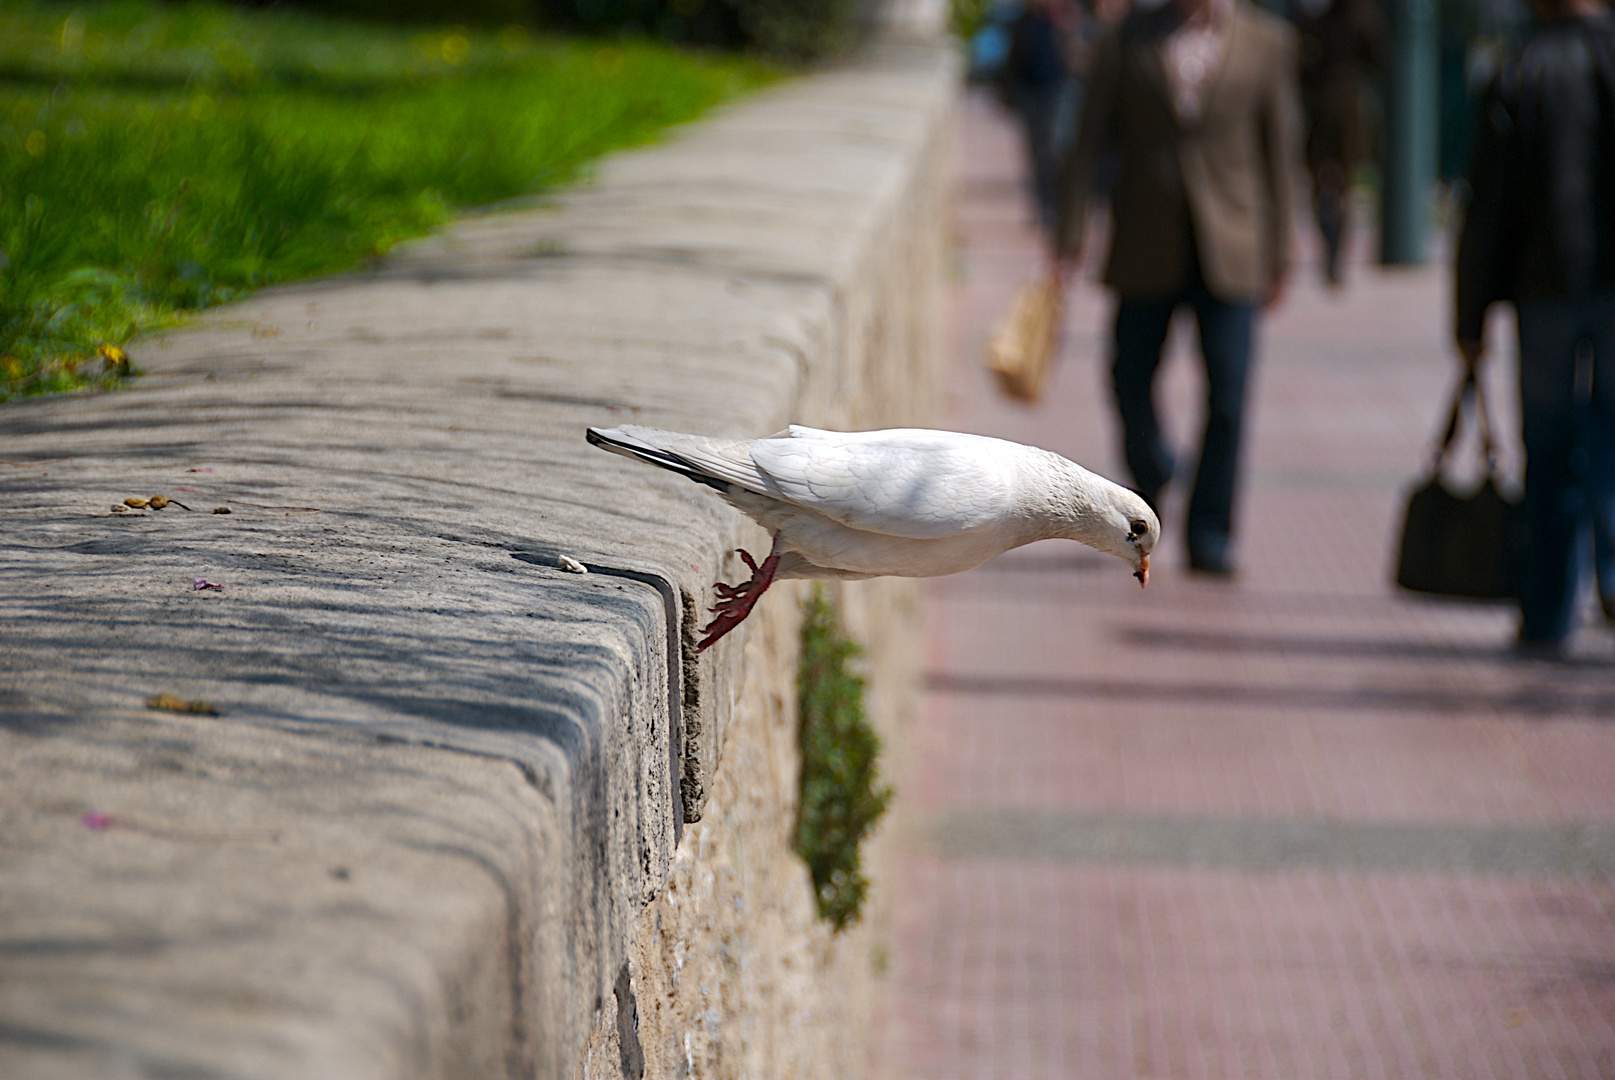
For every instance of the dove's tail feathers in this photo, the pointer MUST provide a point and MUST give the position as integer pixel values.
(625, 442)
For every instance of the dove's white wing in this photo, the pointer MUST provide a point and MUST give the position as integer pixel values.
(913, 483)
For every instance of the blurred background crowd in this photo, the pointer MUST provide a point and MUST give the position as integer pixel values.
(1036, 55)
(1189, 119)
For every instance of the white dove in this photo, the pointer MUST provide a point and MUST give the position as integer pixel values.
(906, 502)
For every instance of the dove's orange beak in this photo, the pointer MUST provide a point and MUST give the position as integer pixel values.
(1143, 571)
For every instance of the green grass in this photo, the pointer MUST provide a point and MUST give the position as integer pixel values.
(842, 796)
(156, 158)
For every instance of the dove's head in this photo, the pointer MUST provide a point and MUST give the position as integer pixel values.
(1086, 507)
(1127, 527)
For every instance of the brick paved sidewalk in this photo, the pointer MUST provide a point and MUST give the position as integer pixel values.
(1293, 826)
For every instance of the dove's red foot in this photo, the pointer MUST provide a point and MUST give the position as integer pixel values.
(736, 601)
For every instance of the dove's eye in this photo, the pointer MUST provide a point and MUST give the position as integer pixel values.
(1140, 528)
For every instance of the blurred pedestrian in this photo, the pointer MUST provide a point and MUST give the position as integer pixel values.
(1036, 81)
(1539, 231)
(1198, 98)
(1343, 49)
(1603, 514)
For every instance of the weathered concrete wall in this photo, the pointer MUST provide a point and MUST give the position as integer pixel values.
(437, 828)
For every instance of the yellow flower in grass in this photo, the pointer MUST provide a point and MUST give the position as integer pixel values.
(35, 143)
(117, 360)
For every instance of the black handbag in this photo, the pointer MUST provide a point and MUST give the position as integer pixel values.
(1462, 545)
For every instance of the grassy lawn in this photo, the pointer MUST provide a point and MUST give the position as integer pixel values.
(156, 158)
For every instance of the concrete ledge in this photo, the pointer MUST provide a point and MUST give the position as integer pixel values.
(448, 777)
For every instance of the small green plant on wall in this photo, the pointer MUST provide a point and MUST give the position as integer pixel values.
(842, 796)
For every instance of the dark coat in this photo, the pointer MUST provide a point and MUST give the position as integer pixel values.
(1540, 224)
(1229, 176)
(1341, 50)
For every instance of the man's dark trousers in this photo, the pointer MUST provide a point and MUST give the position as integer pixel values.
(1569, 449)
(1039, 110)
(1225, 345)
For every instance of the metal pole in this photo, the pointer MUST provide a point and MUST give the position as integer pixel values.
(1411, 112)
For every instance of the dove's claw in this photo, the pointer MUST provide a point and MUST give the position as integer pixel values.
(736, 601)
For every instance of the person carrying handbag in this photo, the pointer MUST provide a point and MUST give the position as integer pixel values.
(1539, 232)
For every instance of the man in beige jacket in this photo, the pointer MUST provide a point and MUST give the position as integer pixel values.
(1198, 99)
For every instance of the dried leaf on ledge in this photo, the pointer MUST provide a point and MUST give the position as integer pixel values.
(170, 703)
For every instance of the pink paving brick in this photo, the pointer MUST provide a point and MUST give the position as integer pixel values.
(1052, 971)
(1137, 752)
